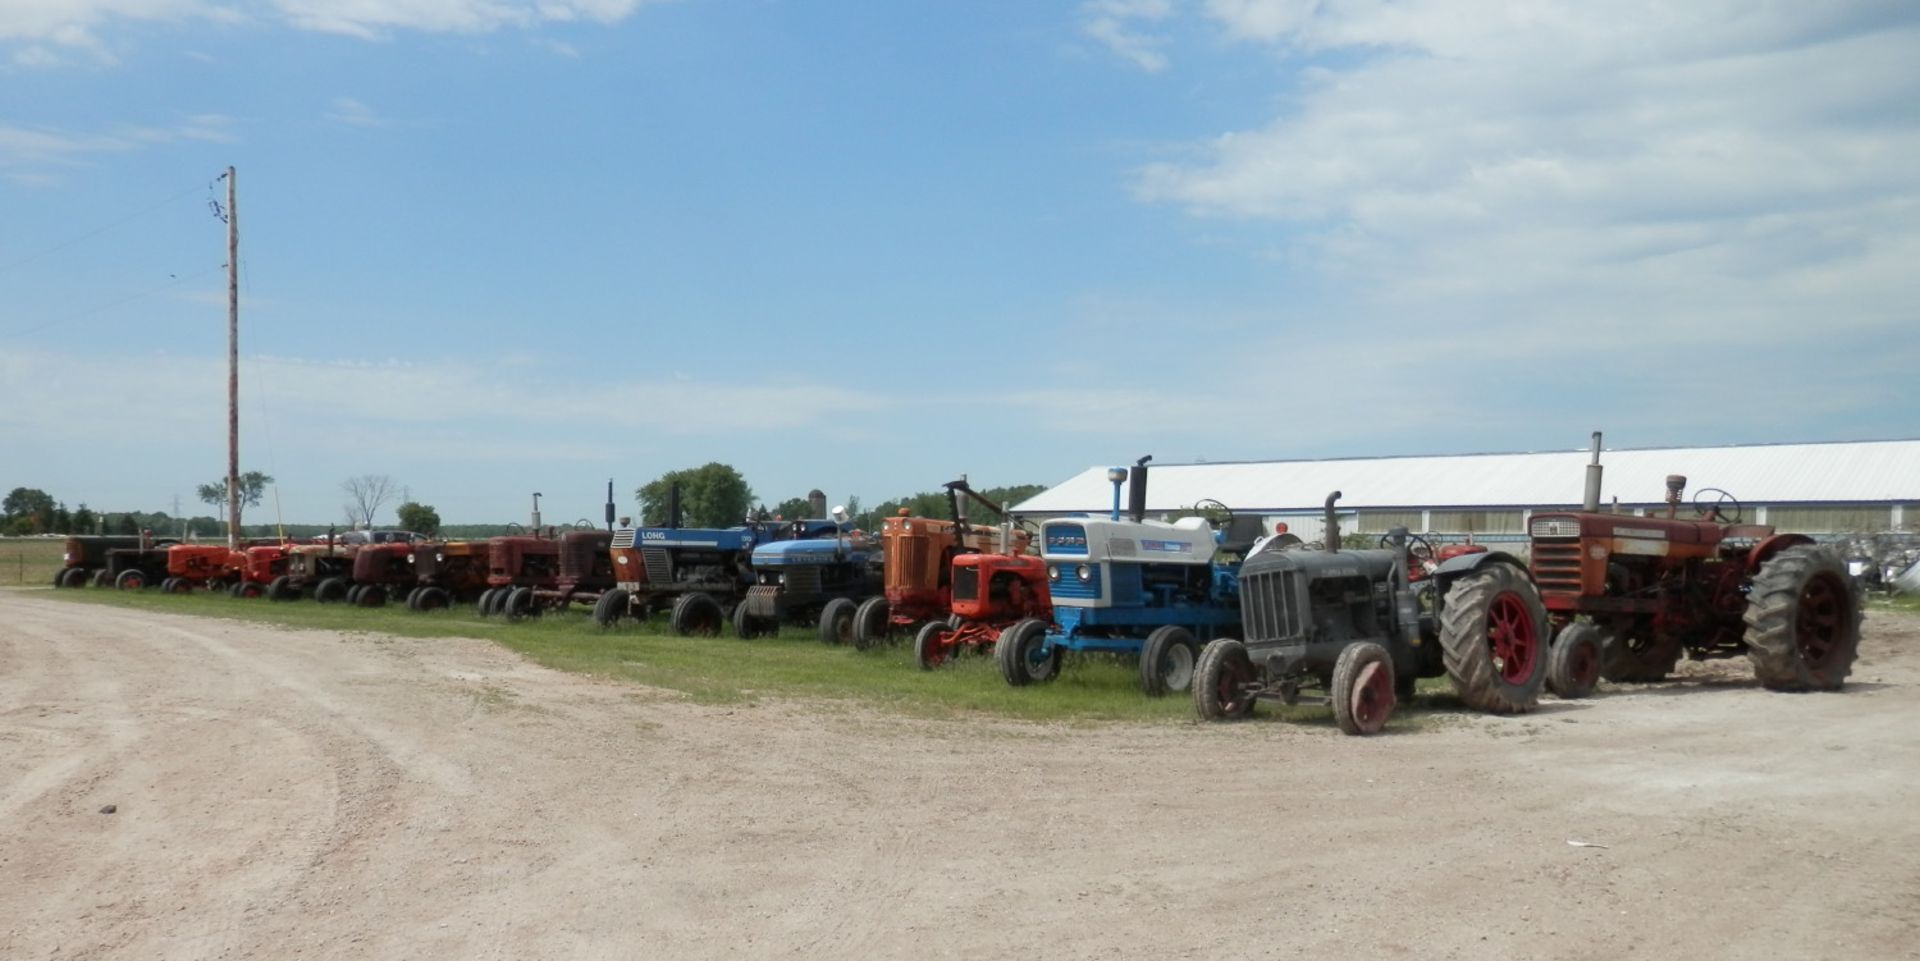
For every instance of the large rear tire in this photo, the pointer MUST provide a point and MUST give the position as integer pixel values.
(1363, 696)
(1017, 653)
(330, 590)
(611, 608)
(1493, 639)
(696, 615)
(1573, 664)
(871, 623)
(1167, 660)
(836, 621)
(1803, 620)
(1221, 680)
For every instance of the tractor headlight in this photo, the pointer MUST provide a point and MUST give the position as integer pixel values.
(439, 557)
(1083, 572)
(622, 559)
(1053, 573)
(411, 559)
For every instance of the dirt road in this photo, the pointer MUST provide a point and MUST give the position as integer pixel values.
(290, 794)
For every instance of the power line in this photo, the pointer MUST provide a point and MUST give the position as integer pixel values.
(173, 281)
(89, 235)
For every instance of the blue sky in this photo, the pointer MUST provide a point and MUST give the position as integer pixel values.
(497, 246)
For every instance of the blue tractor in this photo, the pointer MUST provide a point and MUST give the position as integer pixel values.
(1128, 585)
(698, 575)
(811, 581)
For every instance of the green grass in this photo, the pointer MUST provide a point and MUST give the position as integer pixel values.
(726, 670)
(31, 560)
(1902, 602)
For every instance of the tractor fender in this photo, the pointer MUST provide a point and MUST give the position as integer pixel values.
(1764, 551)
(1453, 567)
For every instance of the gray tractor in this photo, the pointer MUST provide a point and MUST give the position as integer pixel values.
(1355, 628)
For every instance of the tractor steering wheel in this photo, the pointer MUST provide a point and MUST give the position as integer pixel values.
(1417, 547)
(1712, 511)
(1208, 507)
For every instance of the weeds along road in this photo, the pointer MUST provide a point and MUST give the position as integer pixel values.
(288, 794)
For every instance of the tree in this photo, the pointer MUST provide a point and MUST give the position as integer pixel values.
(127, 524)
(419, 518)
(84, 520)
(62, 520)
(714, 495)
(253, 486)
(793, 509)
(27, 510)
(366, 494)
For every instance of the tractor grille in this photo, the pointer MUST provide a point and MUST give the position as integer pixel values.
(622, 538)
(659, 565)
(1267, 608)
(966, 583)
(803, 580)
(1555, 527)
(1556, 565)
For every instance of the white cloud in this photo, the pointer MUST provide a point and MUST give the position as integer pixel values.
(1117, 25)
(353, 113)
(49, 26)
(1666, 175)
(27, 155)
(556, 47)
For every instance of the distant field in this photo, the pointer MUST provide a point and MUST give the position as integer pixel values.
(30, 560)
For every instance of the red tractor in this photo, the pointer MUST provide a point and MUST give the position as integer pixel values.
(1628, 595)
(515, 563)
(381, 571)
(454, 572)
(211, 566)
(919, 554)
(263, 564)
(991, 592)
(583, 572)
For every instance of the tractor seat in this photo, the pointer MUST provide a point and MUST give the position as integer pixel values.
(1241, 534)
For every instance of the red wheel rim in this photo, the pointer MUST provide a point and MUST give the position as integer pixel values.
(1584, 663)
(1372, 700)
(1231, 689)
(1513, 636)
(936, 652)
(1818, 624)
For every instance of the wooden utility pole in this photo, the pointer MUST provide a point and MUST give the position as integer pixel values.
(233, 368)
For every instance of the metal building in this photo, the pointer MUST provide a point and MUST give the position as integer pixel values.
(1816, 488)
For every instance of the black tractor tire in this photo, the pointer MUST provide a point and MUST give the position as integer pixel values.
(353, 594)
(130, 581)
(1362, 689)
(927, 650)
(1166, 661)
(611, 608)
(432, 599)
(498, 606)
(373, 595)
(1803, 620)
(1220, 679)
(1013, 652)
(71, 577)
(483, 605)
(282, 589)
(234, 591)
(249, 589)
(1493, 639)
(836, 621)
(1637, 655)
(181, 586)
(413, 599)
(330, 591)
(745, 626)
(166, 585)
(103, 578)
(870, 623)
(59, 576)
(519, 604)
(697, 615)
(1573, 664)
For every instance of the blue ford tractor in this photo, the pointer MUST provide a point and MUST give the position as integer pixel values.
(698, 575)
(811, 581)
(1128, 585)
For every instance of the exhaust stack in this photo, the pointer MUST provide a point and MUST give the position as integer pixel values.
(1675, 484)
(1333, 525)
(1592, 504)
(1137, 489)
(673, 505)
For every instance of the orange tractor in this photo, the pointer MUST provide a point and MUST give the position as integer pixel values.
(919, 553)
(212, 566)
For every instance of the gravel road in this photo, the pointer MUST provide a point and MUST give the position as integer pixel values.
(299, 794)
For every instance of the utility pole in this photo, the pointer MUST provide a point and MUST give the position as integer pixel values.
(233, 367)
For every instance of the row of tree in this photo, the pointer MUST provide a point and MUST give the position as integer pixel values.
(716, 495)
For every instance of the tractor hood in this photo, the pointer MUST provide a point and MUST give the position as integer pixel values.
(819, 550)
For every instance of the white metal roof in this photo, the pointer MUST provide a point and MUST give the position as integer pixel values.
(1839, 472)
